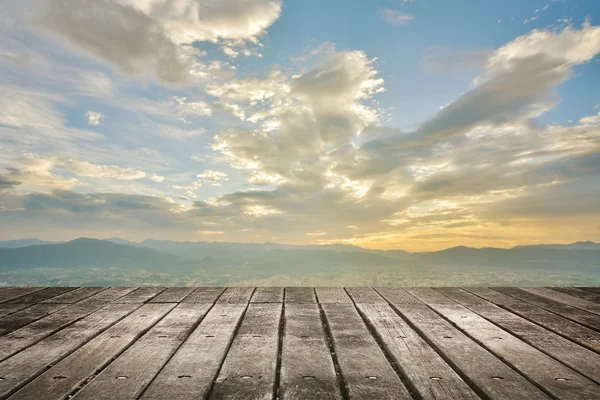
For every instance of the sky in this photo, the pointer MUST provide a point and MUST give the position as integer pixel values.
(391, 124)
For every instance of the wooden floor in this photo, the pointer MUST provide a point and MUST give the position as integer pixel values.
(299, 343)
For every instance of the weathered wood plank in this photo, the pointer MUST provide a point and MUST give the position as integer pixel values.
(365, 295)
(27, 316)
(577, 292)
(556, 323)
(397, 295)
(75, 295)
(300, 295)
(38, 330)
(8, 309)
(573, 313)
(190, 372)
(41, 295)
(586, 305)
(365, 370)
(249, 368)
(236, 295)
(307, 369)
(9, 293)
(554, 377)
(475, 364)
(575, 356)
(204, 295)
(427, 372)
(267, 295)
(22, 367)
(67, 375)
(172, 295)
(141, 295)
(591, 289)
(332, 295)
(132, 371)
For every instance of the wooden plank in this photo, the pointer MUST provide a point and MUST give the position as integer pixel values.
(10, 293)
(267, 295)
(591, 289)
(569, 353)
(41, 295)
(22, 367)
(249, 369)
(27, 316)
(556, 323)
(577, 292)
(307, 369)
(365, 370)
(141, 295)
(397, 295)
(475, 364)
(38, 330)
(172, 295)
(132, 371)
(554, 377)
(586, 305)
(427, 373)
(564, 310)
(236, 295)
(75, 295)
(73, 371)
(300, 295)
(8, 309)
(332, 295)
(365, 295)
(204, 295)
(189, 374)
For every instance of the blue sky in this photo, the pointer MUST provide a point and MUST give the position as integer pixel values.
(392, 124)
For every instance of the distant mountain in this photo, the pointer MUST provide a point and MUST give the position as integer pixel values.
(82, 253)
(13, 244)
(589, 245)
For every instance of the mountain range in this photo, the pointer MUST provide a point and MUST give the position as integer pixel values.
(117, 261)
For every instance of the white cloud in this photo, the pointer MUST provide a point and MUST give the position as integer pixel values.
(94, 117)
(214, 178)
(141, 36)
(395, 17)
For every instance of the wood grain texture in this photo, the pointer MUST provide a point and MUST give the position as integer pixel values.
(141, 295)
(551, 375)
(477, 365)
(28, 335)
(9, 293)
(267, 295)
(573, 313)
(236, 295)
(34, 360)
(300, 295)
(76, 295)
(41, 295)
(426, 371)
(132, 371)
(586, 305)
(575, 356)
(189, 374)
(332, 295)
(249, 369)
(27, 316)
(74, 370)
(365, 295)
(204, 295)
(571, 330)
(365, 370)
(307, 369)
(577, 292)
(172, 295)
